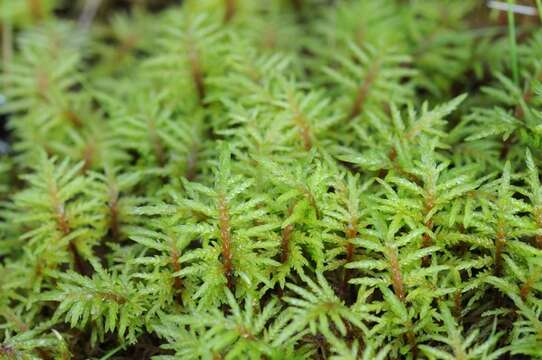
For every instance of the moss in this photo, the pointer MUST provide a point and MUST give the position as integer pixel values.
(282, 179)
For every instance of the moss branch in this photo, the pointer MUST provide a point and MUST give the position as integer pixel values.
(426, 238)
(396, 277)
(458, 307)
(192, 162)
(42, 84)
(351, 233)
(156, 142)
(231, 8)
(196, 71)
(64, 227)
(88, 156)
(312, 201)
(301, 123)
(73, 118)
(36, 9)
(528, 285)
(363, 91)
(225, 237)
(176, 266)
(285, 239)
(112, 296)
(499, 249)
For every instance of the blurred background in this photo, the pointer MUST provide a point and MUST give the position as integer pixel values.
(122, 29)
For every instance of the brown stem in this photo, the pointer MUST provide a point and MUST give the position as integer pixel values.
(125, 47)
(108, 295)
(301, 123)
(225, 237)
(396, 277)
(157, 144)
(525, 289)
(426, 239)
(79, 264)
(197, 72)
(363, 91)
(64, 227)
(458, 308)
(298, 5)
(312, 201)
(527, 286)
(351, 233)
(304, 130)
(349, 251)
(42, 84)
(426, 242)
(506, 146)
(538, 240)
(392, 155)
(411, 337)
(62, 221)
(499, 248)
(36, 9)
(231, 8)
(176, 265)
(286, 235)
(73, 118)
(88, 157)
(192, 163)
(285, 247)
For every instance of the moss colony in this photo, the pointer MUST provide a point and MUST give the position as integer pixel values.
(279, 179)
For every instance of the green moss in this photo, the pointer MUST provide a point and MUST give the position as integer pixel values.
(242, 179)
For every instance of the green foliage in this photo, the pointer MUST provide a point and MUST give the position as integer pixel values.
(286, 179)
(111, 302)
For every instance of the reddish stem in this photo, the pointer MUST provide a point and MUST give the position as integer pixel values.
(304, 130)
(36, 9)
(527, 286)
(426, 242)
(411, 337)
(88, 157)
(351, 233)
(176, 265)
(192, 163)
(157, 144)
(108, 295)
(230, 10)
(539, 241)
(298, 5)
(396, 277)
(499, 248)
(42, 84)
(225, 237)
(285, 244)
(197, 72)
(64, 227)
(363, 91)
(458, 308)
(73, 118)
